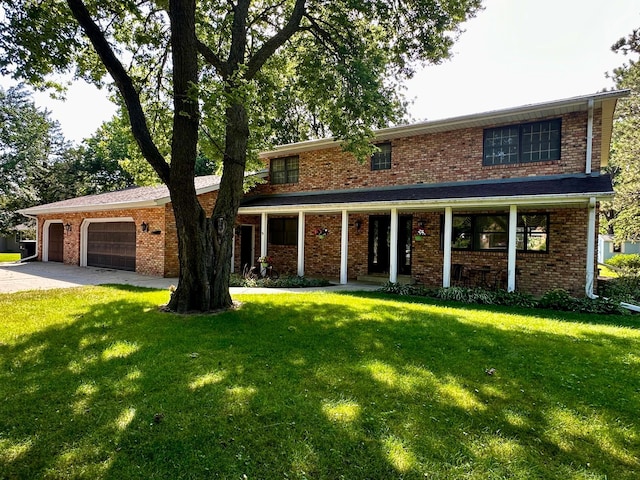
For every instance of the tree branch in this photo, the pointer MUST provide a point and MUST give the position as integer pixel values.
(270, 46)
(213, 59)
(125, 87)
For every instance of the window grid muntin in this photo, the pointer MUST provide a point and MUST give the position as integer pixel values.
(283, 231)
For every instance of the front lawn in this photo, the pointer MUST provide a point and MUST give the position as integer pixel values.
(9, 257)
(96, 383)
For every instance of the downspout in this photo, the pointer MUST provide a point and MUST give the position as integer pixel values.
(591, 242)
(25, 259)
(588, 160)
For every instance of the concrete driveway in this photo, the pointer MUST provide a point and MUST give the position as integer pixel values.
(16, 277)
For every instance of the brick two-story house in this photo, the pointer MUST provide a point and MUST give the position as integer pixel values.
(504, 199)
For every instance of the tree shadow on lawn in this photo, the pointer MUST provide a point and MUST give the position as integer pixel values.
(307, 386)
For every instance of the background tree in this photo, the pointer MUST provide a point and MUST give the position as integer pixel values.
(230, 60)
(30, 143)
(622, 216)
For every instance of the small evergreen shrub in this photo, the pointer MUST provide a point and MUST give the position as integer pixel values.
(515, 299)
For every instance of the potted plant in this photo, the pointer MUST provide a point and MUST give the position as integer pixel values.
(321, 232)
(420, 234)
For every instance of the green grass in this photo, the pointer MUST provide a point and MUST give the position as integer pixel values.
(605, 271)
(9, 257)
(96, 383)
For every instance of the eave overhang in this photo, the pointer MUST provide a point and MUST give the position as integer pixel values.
(538, 192)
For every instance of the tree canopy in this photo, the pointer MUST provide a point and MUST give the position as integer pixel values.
(622, 216)
(224, 74)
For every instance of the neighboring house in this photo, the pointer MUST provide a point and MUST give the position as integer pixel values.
(607, 248)
(507, 198)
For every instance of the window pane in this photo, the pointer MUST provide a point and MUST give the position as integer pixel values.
(533, 233)
(462, 233)
(541, 141)
(284, 170)
(501, 146)
(381, 160)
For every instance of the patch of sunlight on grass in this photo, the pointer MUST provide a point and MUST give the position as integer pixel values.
(506, 450)
(342, 411)
(399, 455)
(567, 428)
(298, 362)
(134, 374)
(210, 378)
(631, 359)
(304, 460)
(517, 419)
(32, 355)
(238, 398)
(10, 451)
(459, 396)
(415, 378)
(119, 350)
(383, 373)
(79, 366)
(90, 340)
(125, 418)
(85, 461)
(85, 391)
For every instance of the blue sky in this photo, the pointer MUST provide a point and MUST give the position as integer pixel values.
(513, 53)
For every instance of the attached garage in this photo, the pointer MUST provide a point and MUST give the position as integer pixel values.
(112, 245)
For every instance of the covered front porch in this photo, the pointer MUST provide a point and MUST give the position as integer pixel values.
(410, 244)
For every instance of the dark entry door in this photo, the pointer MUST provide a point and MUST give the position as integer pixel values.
(246, 245)
(56, 242)
(380, 244)
(112, 245)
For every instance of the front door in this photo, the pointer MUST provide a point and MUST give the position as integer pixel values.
(246, 245)
(380, 244)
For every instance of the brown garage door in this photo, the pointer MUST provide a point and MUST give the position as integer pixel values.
(112, 245)
(56, 242)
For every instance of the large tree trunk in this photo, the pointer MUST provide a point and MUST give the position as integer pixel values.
(228, 202)
(193, 228)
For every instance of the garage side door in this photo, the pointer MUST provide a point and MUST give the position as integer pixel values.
(56, 242)
(112, 245)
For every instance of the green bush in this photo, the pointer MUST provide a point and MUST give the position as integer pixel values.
(628, 264)
(292, 281)
(515, 299)
(623, 289)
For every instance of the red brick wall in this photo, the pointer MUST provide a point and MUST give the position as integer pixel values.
(149, 246)
(438, 157)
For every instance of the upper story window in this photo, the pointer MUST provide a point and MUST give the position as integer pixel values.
(285, 170)
(528, 142)
(491, 232)
(381, 160)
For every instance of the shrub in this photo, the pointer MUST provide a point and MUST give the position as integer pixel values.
(557, 299)
(515, 299)
(628, 264)
(292, 281)
(402, 289)
(623, 289)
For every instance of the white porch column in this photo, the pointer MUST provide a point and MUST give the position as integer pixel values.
(393, 248)
(448, 228)
(344, 247)
(591, 248)
(511, 248)
(301, 227)
(263, 234)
